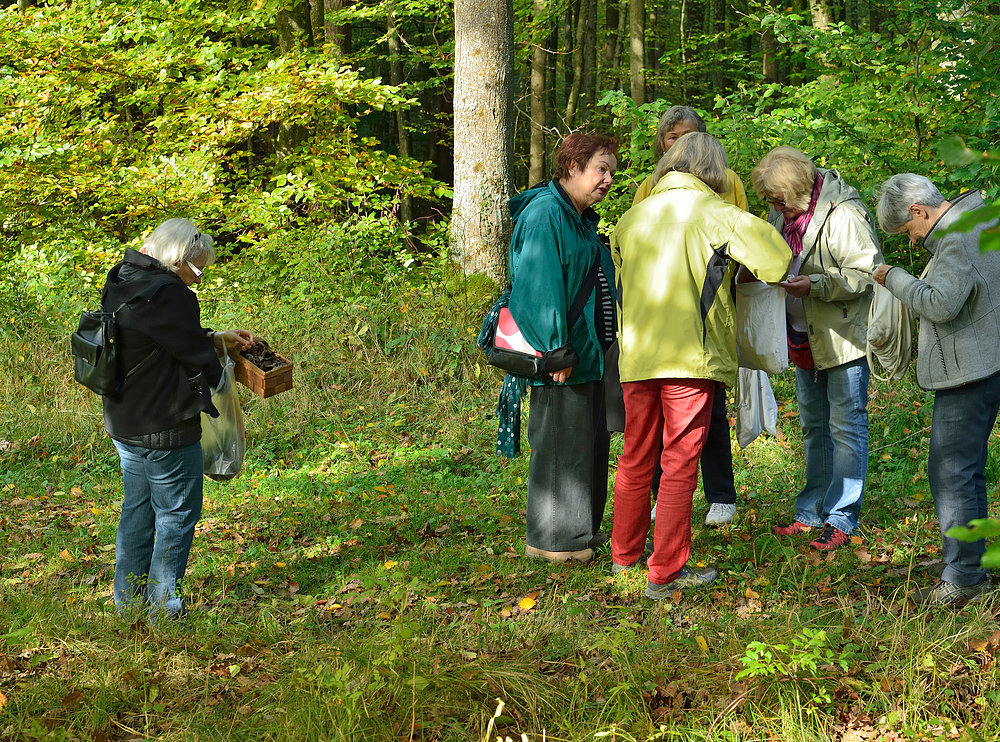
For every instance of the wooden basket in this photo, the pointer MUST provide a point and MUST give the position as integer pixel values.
(263, 383)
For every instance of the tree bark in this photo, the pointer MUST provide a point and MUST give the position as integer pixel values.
(821, 13)
(539, 61)
(484, 107)
(402, 133)
(339, 35)
(612, 45)
(572, 99)
(637, 41)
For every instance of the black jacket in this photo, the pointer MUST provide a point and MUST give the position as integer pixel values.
(174, 361)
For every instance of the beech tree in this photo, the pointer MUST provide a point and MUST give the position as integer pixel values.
(484, 112)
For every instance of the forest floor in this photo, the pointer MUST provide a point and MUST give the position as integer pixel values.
(364, 578)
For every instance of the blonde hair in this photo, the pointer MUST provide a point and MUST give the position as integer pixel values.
(176, 241)
(785, 171)
(698, 154)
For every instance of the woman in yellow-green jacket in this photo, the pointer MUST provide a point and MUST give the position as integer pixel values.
(675, 256)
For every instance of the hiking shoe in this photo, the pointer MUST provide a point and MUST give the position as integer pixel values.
(583, 555)
(689, 577)
(949, 594)
(720, 513)
(830, 539)
(795, 528)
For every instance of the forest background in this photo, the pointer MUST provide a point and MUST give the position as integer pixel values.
(361, 580)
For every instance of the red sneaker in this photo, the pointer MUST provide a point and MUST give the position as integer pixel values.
(795, 528)
(830, 539)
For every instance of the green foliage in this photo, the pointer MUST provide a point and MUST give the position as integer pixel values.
(117, 115)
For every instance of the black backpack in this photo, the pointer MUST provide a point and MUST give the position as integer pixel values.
(96, 363)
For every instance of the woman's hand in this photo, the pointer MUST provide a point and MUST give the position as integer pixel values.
(797, 286)
(241, 339)
(880, 273)
(562, 374)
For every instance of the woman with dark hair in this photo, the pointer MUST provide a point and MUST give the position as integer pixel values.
(676, 253)
(556, 255)
(155, 423)
(829, 292)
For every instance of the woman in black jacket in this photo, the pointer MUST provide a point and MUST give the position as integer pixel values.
(171, 365)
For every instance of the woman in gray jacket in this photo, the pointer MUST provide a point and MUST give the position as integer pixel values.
(959, 359)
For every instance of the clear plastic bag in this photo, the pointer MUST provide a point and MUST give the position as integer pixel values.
(756, 407)
(760, 327)
(223, 438)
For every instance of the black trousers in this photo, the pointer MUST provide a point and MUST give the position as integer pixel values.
(716, 457)
(568, 471)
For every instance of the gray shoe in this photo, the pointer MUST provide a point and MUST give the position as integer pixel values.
(617, 569)
(720, 513)
(689, 577)
(949, 594)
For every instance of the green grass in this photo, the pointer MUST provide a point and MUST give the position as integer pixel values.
(364, 577)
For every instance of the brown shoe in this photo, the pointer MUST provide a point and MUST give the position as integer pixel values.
(583, 555)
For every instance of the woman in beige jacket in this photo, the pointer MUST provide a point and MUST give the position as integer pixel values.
(834, 248)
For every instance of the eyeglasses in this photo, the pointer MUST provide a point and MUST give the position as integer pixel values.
(194, 269)
(776, 202)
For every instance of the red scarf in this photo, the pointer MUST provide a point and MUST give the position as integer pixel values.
(796, 228)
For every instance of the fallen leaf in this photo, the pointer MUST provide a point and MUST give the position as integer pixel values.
(66, 556)
(293, 587)
(3, 700)
(702, 644)
(526, 604)
(72, 700)
(390, 564)
(752, 594)
(856, 540)
(356, 524)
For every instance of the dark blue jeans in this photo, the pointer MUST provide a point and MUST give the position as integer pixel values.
(568, 471)
(956, 469)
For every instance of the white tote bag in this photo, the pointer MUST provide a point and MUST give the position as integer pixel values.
(760, 327)
(756, 407)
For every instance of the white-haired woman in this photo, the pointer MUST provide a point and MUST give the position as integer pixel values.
(959, 360)
(170, 364)
(675, 254)
(832, 238)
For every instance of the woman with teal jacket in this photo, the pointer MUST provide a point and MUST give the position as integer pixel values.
(554, 249)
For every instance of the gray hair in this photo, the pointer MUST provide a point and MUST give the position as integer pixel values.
(897, 195)
(176, 241)
(699, 154)
(785, 171)
(670, 118)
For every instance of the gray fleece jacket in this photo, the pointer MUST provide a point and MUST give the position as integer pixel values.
(958, 303)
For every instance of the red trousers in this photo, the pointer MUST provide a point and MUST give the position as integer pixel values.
(676, 411)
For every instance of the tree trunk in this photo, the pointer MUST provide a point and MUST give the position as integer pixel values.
(339, 35)
(612, 45)
(539, 61)
(822, 14)
(294, 34)
(573, 98)
(484, 107)
(402, 133)
(637, 42)
(588, 89)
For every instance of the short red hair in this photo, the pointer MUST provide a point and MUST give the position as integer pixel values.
(579, 148)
